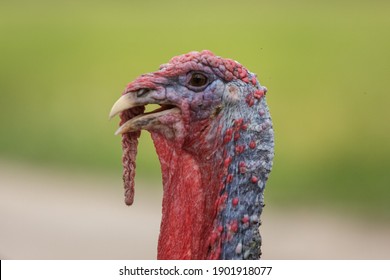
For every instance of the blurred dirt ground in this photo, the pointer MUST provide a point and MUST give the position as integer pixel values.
(48, 214)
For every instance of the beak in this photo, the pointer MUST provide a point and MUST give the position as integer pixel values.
(146, 121)
(143, 121)
(126, 101)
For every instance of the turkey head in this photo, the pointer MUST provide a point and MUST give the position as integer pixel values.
(214, 138)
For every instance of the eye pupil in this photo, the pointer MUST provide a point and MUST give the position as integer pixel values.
(198, 80)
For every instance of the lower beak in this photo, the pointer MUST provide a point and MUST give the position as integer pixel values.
(145, 121)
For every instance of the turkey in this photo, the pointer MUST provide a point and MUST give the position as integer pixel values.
(215, 142)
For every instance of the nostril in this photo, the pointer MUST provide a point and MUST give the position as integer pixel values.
(142, 92)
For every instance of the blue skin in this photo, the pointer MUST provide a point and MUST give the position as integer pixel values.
(258, 163)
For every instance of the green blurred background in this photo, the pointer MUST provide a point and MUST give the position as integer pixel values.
(326, 65)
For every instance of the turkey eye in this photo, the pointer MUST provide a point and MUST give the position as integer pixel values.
(198, 80)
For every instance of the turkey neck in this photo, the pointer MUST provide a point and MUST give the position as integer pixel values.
(213, 189)
(188, 207)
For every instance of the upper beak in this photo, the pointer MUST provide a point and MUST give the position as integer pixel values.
(126, 101)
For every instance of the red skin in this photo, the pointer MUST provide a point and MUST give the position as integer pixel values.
(188, 202)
